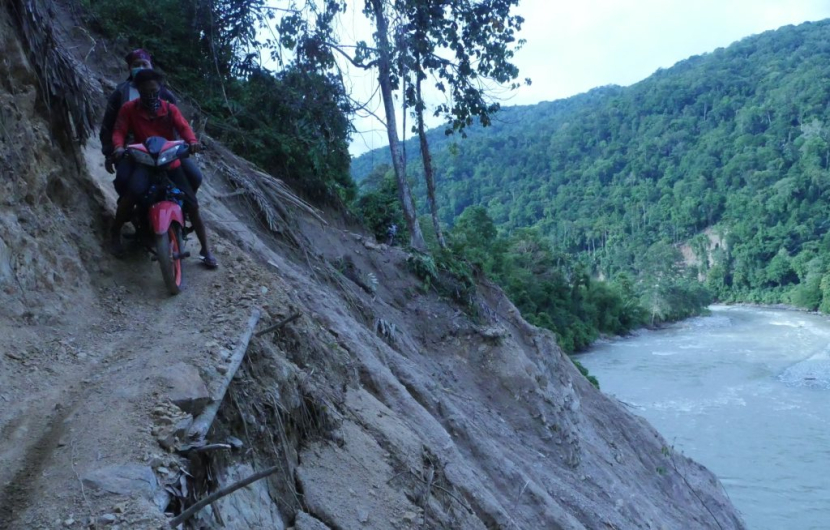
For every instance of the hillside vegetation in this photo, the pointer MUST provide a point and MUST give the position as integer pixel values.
(735, 141)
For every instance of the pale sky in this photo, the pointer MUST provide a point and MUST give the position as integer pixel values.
(575, 45)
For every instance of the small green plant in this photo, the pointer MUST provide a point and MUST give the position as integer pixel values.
(584, 371)
(661, 470)
(449, 274)
(423, 266)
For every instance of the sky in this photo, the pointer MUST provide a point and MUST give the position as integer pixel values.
(575, 45)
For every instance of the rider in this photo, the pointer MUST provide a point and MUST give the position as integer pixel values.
(137, 60)
(142, 118)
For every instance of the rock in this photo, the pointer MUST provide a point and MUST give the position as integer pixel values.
(371, 246)
(169, 437)
(410, 517)
(308, 522)
(120, 507)
(186, 389)
(107, 519)
(251, 507)
(492, 332)
(363, 515)
(222, 369)
(235, 442)
(129, 479)
(69, 522)
(162, 499)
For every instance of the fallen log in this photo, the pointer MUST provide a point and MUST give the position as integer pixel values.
(216, 495)
(202, 424)
(278, 325)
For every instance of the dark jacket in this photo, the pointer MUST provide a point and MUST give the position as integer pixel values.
(120, 96)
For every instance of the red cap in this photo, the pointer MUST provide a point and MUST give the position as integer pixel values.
(137, 54)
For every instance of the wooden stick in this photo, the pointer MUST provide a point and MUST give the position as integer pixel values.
(278, 325)
(201, 426)
(216, 495)
(462, 503)
(204, 448)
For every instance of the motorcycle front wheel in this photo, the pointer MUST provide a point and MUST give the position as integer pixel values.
(169, 248)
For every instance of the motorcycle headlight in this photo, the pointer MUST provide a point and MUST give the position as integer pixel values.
(168, 156)
(142, 158)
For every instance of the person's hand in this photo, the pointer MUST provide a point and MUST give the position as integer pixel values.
(118, 154)
(109, 165)
(195, 148)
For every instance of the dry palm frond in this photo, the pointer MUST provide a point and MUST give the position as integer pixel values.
(270, 194)
(65, 90)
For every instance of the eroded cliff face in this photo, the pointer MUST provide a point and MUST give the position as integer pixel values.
(384, 405)
(41, 272)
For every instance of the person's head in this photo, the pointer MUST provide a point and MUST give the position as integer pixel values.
(138, 60)
(148, 83)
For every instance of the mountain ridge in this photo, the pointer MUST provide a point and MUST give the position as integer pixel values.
(717, 140)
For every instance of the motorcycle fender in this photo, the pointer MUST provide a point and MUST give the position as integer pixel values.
(163, 214)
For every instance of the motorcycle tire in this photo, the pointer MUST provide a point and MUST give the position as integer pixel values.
(168, 245)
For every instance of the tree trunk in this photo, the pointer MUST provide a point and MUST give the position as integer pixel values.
(428, 173)
(416, 238)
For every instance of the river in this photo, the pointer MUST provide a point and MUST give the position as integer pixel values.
(745, 392)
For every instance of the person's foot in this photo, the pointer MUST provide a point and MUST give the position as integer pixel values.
(116, 247)
(208, 259)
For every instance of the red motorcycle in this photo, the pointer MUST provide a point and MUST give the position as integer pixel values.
(158, 218)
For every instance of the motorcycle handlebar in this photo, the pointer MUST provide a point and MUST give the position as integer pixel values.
(187, 152)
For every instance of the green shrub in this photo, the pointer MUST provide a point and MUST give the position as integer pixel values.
(584, 371)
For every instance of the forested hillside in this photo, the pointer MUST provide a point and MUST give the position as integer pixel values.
(615, 180)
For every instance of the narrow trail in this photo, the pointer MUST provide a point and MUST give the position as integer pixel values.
(90, 402)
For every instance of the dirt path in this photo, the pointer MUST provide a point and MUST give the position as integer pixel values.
(84, 393)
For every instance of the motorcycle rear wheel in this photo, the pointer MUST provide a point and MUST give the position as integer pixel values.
(169, 247)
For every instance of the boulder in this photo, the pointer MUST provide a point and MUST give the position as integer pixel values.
(127, 480)
(185, 387)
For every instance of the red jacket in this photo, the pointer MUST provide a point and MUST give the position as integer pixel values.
(135, 119)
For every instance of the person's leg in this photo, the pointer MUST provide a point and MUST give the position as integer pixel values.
(178, 177)
(193, 174)
(135, 188)
(123, 170)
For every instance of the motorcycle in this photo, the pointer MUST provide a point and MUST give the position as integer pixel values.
(158, 217)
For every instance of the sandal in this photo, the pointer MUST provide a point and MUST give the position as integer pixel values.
(208, 260)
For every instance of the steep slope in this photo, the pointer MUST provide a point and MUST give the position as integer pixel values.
(735, 139)
(387, 406)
